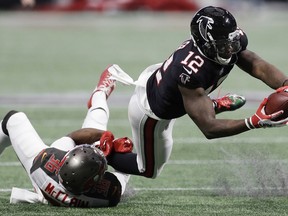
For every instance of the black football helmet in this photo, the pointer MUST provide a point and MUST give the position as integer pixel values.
(215, 32)
(81, 168)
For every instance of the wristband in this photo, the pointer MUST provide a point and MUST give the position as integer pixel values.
(248, 123)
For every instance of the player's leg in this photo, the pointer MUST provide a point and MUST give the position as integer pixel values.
(25, 141)
(4, 140)
(128, 162)
(152, 146)
(163, 144)
(152, 141)
(98, 111)
(152, 137)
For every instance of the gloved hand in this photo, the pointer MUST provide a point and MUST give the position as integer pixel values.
(283, 88)
(262, 120)
(106, 143)
(123, 145)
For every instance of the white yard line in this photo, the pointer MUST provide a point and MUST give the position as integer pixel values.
(79, 99)
(248, 140)
(180, 189)
(186, 162)
(197, 140)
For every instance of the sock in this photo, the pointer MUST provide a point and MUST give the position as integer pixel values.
(4, 139)
(125, 163)
(2, 134)
(98, 114)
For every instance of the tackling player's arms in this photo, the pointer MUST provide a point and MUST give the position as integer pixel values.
(200, 109)
(86, 135)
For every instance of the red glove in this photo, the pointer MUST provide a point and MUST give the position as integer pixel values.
(123, 145)
(283, 88)
(261, 119)
(106, 143)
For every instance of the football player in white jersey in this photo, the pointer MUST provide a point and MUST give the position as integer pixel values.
(72, 171)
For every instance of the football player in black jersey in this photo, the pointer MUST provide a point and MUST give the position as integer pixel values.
(181, 85)
(72, 171)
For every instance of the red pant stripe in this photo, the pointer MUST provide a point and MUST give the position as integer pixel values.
(149, 128)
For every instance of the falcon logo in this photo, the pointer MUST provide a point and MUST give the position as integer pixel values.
(205, 24)
(184, 78)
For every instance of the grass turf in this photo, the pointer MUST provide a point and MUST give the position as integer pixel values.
(59, 53)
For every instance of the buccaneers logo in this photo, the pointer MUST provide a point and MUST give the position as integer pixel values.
(205, 25)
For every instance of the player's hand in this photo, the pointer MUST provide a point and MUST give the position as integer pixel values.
(283, 88)
(106, 143)
(261, 120)
(123, 145)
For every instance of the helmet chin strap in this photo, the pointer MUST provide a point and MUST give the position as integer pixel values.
(222, 61)
(218, 59)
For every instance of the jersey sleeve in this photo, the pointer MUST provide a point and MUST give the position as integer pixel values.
(64, 143)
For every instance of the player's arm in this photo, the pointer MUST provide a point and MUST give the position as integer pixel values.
(107, 142)
(200, 109)
(86, 135)
(257, 67)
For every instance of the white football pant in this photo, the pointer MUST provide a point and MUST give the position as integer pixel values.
(152, 136)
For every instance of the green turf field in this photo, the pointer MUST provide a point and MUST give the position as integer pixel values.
(49, 64)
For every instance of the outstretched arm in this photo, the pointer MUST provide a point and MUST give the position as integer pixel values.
(257, 67)
(199, 107)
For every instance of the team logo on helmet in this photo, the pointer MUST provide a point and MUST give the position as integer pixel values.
(205, 24)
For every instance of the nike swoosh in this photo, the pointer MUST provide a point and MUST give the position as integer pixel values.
(188, 71)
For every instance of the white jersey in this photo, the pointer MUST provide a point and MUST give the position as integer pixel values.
(41, 162)
(44, 173)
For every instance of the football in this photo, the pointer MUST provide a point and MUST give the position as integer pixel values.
(278, 101)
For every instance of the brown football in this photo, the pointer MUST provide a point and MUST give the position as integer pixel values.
(278, 101)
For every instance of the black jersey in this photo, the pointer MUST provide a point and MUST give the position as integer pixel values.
(44, 173)
(189, 68)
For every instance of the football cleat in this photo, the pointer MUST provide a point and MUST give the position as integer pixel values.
(105, 84)
(228, 102)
